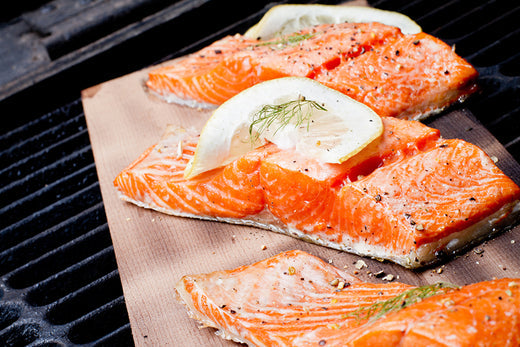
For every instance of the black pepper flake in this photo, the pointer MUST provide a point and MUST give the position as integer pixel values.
(377, 197)
(472, 199)
(440, 254)
(416, 42)
(397, 53)
(446, 72)
(218, 51)
(322, 342)
(232, 311)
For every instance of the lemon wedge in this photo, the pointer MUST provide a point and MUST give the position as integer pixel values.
(292, 112)
(286, 19)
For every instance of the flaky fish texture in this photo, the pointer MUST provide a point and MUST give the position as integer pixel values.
(296, 299)
(404, 76)
(407, 197)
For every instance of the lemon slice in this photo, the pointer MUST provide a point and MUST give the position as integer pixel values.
(292, 112)
(286, 19)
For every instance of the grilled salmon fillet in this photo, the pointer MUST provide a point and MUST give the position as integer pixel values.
(405, 76)
(296, 299)
(406, 197)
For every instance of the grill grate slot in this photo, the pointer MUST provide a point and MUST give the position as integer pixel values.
(50, 154)
(26, 147)
(121, 336)
(43, 176)
(65, 283)
(32, 203)
(508, 125)
(52, 238)
(485, 36)
(41, 124)
(462, 15)
(511, 66)
(99, 323)
(63, 259)
(87, 299)
(498, 51)
(50, 215)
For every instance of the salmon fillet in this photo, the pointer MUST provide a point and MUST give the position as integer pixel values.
(409, 197)
(296, 299)
(405, 76)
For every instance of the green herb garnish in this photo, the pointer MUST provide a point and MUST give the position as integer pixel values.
(406, 298)
(282, 114)
(288, 40)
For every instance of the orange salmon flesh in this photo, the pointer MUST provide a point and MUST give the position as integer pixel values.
(404, 76)
(406, 197)
(296, 299)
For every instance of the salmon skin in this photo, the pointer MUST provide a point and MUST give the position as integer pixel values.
(296, 299)
(410, 197)
(405, 76)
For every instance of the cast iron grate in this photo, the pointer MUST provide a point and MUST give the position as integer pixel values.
(59, 283)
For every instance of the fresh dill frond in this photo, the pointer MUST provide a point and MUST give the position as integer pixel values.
(405, 299)
(301, 110)
(287, 40)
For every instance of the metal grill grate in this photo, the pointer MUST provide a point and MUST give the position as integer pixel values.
(59, 280)
(59, 283)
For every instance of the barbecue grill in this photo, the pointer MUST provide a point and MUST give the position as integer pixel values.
(59, 283)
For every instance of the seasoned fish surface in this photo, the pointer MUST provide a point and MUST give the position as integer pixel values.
(296, 299)
(405, 197)
(405, 76)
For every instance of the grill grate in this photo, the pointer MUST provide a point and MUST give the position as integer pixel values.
(59, 283)
(59, 280)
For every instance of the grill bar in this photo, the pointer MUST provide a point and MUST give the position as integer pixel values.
(76, 226)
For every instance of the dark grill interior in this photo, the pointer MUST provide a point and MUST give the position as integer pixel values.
(59, 282)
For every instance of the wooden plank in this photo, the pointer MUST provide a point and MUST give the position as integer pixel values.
(153, 250)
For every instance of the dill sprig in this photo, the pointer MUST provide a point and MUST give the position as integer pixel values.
(406, 298)
(282, 115)
(288, 40)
